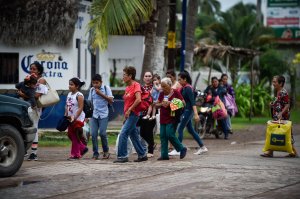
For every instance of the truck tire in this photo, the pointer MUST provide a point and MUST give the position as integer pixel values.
(11, 150)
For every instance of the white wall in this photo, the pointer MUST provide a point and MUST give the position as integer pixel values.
(126, 50)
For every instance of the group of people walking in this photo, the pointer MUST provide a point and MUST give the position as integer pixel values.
(137, 124)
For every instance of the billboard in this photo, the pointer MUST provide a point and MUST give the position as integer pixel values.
(284, 17)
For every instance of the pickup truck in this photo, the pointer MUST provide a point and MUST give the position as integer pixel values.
(16, 133)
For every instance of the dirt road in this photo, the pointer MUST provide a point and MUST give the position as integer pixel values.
(231, 169)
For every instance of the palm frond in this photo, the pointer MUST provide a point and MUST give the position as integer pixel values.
(114, 17)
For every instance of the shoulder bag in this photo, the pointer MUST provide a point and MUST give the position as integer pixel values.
(48, 99)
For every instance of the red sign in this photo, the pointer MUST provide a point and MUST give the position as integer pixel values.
(282, 21)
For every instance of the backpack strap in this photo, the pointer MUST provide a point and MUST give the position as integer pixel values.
(105, 89)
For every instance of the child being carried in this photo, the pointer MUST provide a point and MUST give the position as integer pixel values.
(154, 93)
(26, 89)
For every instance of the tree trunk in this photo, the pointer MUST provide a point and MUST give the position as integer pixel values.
(150, 30)
(209, 73)
(160, 39)
(190, 31)
(258, 11)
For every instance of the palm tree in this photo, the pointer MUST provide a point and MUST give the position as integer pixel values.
(160, 39)
(149, 32)
(155, 38)
(116, 17)
(208, 7)
(238, 28)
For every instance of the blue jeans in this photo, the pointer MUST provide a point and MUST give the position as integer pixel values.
(96, 125)
(228, 122)
(129, 129)
(186, 121)
(224, 126)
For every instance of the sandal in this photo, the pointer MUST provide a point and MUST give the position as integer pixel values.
(105, 155)
(266, 155)
(291, 155)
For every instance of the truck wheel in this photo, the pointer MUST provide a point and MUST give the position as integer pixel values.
(11, 150)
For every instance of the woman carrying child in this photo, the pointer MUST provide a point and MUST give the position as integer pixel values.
(147, 126)
(36, 69)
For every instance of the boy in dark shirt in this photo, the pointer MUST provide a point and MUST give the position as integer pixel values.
(27, 87)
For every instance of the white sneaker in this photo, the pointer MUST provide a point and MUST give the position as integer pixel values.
(152, 118)
(146, 117)
(201, 150)
(174, 153)
(150, 155)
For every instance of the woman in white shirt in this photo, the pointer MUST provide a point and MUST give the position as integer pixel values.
(41, 89)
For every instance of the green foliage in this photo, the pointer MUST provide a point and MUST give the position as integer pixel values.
(209, 7)
(260, 102)
(272, 63)
(116, 17)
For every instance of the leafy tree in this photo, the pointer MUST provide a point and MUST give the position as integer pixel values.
(238, 27)
(271, 64)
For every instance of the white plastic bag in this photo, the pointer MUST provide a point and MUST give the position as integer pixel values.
(129, 146)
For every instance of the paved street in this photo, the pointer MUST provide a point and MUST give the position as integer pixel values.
(232, 171)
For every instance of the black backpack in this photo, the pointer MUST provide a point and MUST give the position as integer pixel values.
(110, 106)
(88, 107)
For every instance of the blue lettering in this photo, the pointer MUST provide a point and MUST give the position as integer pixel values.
(64, 66)
(25, 63)
(49, 65)
(56, 65)
(42, 63)
(27, 60)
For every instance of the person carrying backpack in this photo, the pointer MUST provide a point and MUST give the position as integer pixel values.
(189, 111)
(101, 96)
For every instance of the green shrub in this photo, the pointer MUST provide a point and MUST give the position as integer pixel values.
(260, 102)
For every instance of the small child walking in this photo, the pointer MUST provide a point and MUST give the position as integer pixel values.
(74, 110)
(155, 94)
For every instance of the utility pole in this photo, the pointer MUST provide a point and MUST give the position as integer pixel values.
(172, 36)
(183, 27)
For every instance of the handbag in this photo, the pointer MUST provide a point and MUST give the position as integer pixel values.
(63, 123)
(48, 99)
(230, 104)
(278, 136)
(219, 111)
